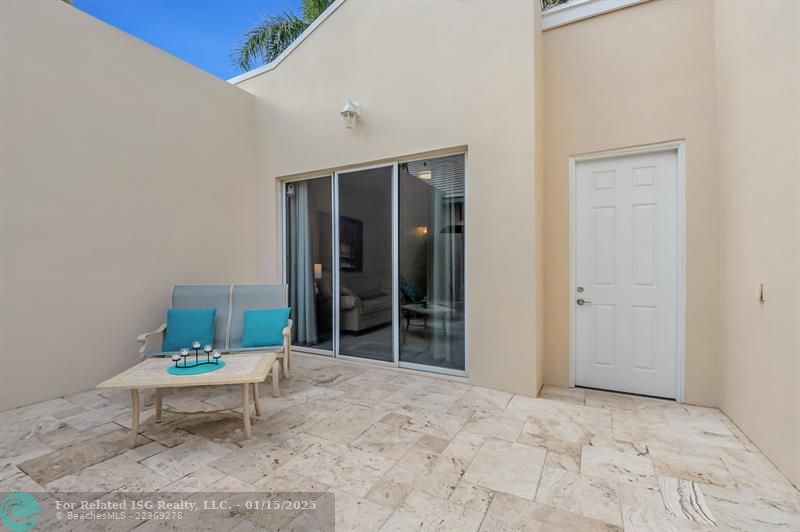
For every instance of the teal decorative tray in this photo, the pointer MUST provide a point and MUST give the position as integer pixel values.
(196, 369)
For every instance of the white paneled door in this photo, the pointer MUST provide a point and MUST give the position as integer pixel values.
(625, 290)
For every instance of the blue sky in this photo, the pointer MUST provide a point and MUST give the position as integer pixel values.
(202, 32)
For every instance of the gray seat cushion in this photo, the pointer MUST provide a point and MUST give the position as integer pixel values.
(206, 296)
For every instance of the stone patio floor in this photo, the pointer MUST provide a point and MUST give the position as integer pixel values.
(407, 452)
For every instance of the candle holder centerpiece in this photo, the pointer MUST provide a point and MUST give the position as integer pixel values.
(184, 365)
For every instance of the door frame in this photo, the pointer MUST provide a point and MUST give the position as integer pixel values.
(333, 174)
(679, 148)
(336, 265)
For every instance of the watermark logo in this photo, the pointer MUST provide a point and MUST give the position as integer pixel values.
(19, 511)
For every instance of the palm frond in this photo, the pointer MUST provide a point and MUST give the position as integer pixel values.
(266, 41)
(314, 8)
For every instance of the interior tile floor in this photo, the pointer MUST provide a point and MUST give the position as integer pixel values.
(407, 452)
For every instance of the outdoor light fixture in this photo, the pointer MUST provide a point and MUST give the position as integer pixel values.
(425, 173)
(350, 113)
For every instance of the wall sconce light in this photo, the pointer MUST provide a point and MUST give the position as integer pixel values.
(317, 271)
(421, 231)
(350, 113)
(425, 173)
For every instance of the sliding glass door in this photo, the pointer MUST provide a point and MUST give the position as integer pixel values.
(365, 264)
(309, 261)
(375, 261)
(431, 262)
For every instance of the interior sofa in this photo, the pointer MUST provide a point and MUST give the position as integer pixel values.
(230, 301)
(362, 304)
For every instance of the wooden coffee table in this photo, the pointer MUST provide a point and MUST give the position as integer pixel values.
(248, 370)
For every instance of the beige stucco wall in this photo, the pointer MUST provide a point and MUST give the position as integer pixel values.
(539, 182)
(123, 171)
(758, 95)
(428, 75)
(641, 75)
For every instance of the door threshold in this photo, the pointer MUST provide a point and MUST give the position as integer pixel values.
(376, 364)
(627, 393)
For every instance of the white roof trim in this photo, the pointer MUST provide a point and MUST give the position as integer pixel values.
(581, 9)
(277, 61)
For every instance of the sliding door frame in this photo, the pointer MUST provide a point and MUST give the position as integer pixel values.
(285, 256)
(395, 288)
(395, 207)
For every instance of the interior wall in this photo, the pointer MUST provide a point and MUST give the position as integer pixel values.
(368, 200)
(428, 76)
(758, 91)
(415, 251)
(123, 171)
(623, 79)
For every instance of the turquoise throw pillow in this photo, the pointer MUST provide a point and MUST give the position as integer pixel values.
(263, 328)
(184, 326)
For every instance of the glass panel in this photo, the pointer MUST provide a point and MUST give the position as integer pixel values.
(431, 268)
(365, 264)
(309, 261)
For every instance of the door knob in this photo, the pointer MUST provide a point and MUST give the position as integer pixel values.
(580, 301)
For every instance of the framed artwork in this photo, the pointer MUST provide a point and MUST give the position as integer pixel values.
(351, 244)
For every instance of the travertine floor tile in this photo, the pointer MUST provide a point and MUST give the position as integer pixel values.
(580, 494)
(341, 467)
(443, 477)
(704, 430)
(474, 497)
(185, 458)
(420, 398)
(347, 424)
(358, 514)
(200, 480)
(118, 473)
(388, 493)
(464, 446)
(643, 509)
(424, 513)
(616, 466)
(366, 394)
(509, 467)
(563, 461)
(746, 510)
(496, 426)
(432, 443)
(71, 460)
(253, 463)
(570, 395)
(690, 465)
(684, 498)
(754, 472)
(429, 422)
(509, 513)
(386, 440)
(610, 401)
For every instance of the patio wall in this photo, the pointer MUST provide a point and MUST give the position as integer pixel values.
(759, 135)
(124, 171)
(625, 79)
(428, 75)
